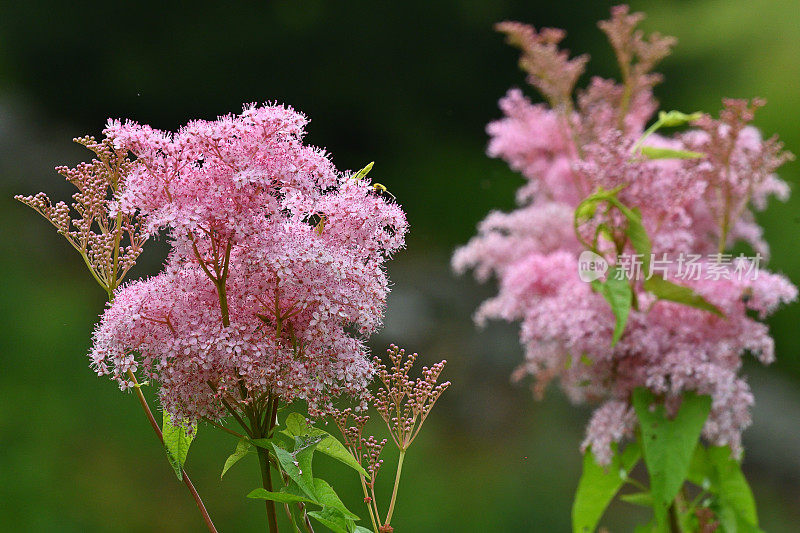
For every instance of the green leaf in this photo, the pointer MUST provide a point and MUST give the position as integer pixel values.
(701, 471)
(586, 209)
(617, 292)
(715, 470)
(661, 288)
(652, 527)
(297, 465)
(733, 522)
(242, 447)
(637, 234)
(645, 499)
(676, 118)
(666, 290)
(264, 443)
(361, 529)
(331, 518)
(327, 497)
(731, 485)
(669, 445)
(278, 439)
(363, 172)
(297, 516)
(281, 497)
(599, 485)
(296, 425)
(652, 152)
(177, 439)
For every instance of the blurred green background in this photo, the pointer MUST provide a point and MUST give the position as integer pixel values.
(410, 85)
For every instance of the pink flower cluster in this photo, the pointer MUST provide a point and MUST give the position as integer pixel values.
(700, 206)
(276, 270)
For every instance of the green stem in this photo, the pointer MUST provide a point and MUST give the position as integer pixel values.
(725, 225)
(305, 520)
(367, 500)
(263, 459)
(648, 132)
(396, 485)
(105, 286)
(223, 303)
(295, 527)
(117, 240)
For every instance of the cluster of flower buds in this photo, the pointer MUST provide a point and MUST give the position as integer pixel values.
(366, 450)
(370, 456)
(109, 240)
(405, 403)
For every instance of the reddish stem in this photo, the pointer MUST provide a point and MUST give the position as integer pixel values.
(186, 480)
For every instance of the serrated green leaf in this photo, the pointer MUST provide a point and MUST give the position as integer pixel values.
(296, 425)
(242, 447)
(281, 497)
(617, 292)
(598, 486)
(669, 444)
(653, 152)
(327, 497)
(666, 290)
(331, 518)
(177, 439)
(297, 466)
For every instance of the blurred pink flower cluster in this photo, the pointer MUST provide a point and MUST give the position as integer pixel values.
(276, 269)
(702, 205)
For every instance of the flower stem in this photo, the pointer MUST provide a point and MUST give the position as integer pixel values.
(396, 485)
(368, 501)
(263, 459)
(265, 431)
(157, 429)
(223, 303)
(223, 428)
(674, 523)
